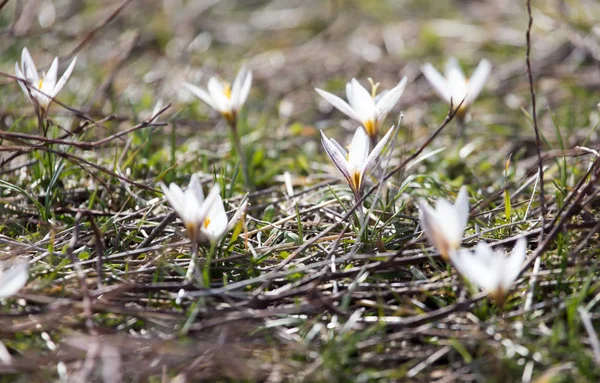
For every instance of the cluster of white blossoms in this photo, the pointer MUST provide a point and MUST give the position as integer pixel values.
(206, 220)
(492, 271)
(444, 225)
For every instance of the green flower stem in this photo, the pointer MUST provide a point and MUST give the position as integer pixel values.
(206, 268)
(240, 150)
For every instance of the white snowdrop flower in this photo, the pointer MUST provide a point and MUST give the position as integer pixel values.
(491, 271)
(363, 106)
(12, 279)
(445, 225)
(224, 98)
(42, 89)
(354, 162)
(205, 219)
(454, 87)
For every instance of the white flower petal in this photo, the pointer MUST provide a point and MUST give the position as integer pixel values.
(196, 188)
(201, 94)
(28, 68)
(445, 225)
(477, 80)
(362, 102)
(387, 102)
(50, 78)
(339, 147)
(514, 263)
(358, 151)
(472, 267)
(245, 90)
(216, 217)
(430, 225)
(176, 198)
(13, 279)
(217, 93)
(349, 91)
(449, 222)
(241, 88)
(336, 157)
(64, 78)
(439, 83)
(213, 195)
(456, 81)
(20, 75)
(236, 86)
(340, 104)
(378, 148)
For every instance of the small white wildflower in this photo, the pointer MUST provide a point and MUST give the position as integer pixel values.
(454, 87)
(224, 98)
(490, 270)
(43, 89)
(363, 106)
(356, 161)
(445, 225)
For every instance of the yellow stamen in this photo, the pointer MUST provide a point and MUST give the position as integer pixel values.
(40, 83)
(371, 127)
(206, 222)
(356, 180)
(374, 86)
(227, 90)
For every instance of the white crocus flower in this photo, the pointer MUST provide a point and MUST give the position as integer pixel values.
(445, 225)
(354, 163)
(363, 107)
(205, 219)
(216, 224)
(490, 270)
(12, 279)
(454, 87)
(224, 98)
(43, 89)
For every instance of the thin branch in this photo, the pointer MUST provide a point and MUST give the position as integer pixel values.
(535, 123)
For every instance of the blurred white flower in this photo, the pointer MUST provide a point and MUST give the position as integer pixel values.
(191, 206)
(445, 225)
(205, 219)
(364, 107)
(354, 163)
(222, 97)
(12, 279)
(490, 270)
(454, 87)
(46, 14)
(43, 89)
